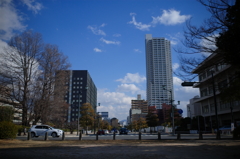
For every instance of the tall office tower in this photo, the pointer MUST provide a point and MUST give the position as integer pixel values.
(81, 89)
(159, 71)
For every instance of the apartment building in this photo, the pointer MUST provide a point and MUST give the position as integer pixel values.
(158, 70)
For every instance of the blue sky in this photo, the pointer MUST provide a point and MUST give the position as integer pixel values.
(107, 38)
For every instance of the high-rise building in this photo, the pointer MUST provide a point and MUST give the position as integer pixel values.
(159, 71)
(81, 89)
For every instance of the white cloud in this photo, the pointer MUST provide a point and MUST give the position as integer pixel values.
(137, 50)
(139, 25)
(32, 5)
(209, 43)
(132, 78)
(110, 42)
(170, 17)
(95, 30)
(103, 25)
(116, 103)
(175, 66)
(177, 81)
(174, 39)
(97, 50)
(10, 20)
(128, 88)
(117, 35)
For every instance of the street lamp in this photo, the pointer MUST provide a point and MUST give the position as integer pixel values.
(95, 118)
(173, 131)
(171, 100)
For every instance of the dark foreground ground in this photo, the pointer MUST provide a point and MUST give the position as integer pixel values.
(121, 149)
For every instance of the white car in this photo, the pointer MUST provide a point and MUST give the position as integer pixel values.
(106, 131)
(40, 130)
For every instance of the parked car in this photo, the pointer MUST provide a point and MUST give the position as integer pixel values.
(123, 131)
(40, 130)
(106, 131)
(101, 132)
(224, 128)
(114, 130)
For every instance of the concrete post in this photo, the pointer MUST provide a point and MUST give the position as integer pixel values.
(80, 135)
(178, 136)
(200, 135)
(46, 136)
(114, 134)
(140, 136)
(63, 136)
(159, 136)
(29, 136)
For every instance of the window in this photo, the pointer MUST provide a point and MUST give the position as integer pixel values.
(38, 127)
(222, 84)
(205, 109)
(204, 92)
(212, 107)
(210, 89)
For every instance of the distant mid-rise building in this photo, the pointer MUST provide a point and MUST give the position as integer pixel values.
(104, 114)
(159, 71)
(193, 108)
(139, 108)
(114, 122)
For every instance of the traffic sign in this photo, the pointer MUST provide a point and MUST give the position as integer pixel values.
(180, 111)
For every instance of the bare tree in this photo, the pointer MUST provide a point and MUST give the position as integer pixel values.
(200, 42)
(19, 67)
(51, 86)
(29, 74)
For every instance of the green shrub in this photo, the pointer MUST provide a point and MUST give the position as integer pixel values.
(8, 130)
(6, 113)
(236, 133)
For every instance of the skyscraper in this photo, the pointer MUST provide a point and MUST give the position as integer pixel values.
(81, 89)
(159, 71)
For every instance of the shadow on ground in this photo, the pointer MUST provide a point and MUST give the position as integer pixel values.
(164, 149)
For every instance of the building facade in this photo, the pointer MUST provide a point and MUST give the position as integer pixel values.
(213, 75)
(193, 108)
(139, 108)
(81, 89)
(159, 71)
(114, 123)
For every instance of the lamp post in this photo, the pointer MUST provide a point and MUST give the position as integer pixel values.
(95, 118)
(171, 101)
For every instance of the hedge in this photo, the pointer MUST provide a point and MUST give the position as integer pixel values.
(8, 130)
